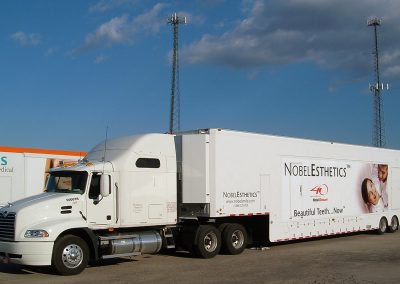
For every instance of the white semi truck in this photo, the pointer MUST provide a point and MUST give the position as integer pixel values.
(205, 191)
(23, 171)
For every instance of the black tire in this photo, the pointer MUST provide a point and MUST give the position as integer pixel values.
(394, 225)
(221, 227)
(208, 241)
(383, 226)
(70, 255)
(234, 239)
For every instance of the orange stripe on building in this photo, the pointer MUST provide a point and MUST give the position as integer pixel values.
(41, 151)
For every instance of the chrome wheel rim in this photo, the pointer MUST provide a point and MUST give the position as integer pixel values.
(382, 225)
(72, 256)
(237, 239)
(394, 224)
(210, 242)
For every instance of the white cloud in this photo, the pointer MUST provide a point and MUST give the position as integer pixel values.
(150, 21)
(122, 29)
(106, 5)
(113, 31)
(100, 7)
(50, 51)
(100, 59)
(25, 39)
(332, 34)
(392, 71)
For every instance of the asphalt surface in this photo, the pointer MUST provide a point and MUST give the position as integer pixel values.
(362, 258)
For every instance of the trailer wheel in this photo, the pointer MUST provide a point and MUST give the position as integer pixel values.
(234, 239)
(394, 225)
(221, 227)
(70, 255)
(383, 225)
(208, 241)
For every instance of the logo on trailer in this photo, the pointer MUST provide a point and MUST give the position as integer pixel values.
(321, 189)
(3, 161)
(319, 193)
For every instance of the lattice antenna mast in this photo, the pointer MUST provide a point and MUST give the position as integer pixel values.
(175, 115)
(378, 138)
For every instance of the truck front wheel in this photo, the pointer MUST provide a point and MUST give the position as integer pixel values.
(234, 239)
(208, 241)
(70, 255)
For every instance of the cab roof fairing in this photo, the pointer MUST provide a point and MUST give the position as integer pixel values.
(120, 150)
(121, 153)
(87, 166)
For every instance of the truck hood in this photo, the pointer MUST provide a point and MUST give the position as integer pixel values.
(46, 211)
(43, 200)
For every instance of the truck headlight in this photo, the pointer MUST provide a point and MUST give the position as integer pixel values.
(36, 234)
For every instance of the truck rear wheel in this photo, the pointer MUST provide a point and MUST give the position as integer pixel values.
(234, 239)
(208, 241)
(394, 225)
(70, 255)
(383, 225)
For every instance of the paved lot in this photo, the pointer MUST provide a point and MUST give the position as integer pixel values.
(364, 258)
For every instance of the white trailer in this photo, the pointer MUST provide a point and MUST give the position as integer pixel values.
(205, 191)
(23, 171)
(306, 188)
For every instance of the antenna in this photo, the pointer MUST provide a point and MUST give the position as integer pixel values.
(105, 149)
(378, 137)
(175, 115)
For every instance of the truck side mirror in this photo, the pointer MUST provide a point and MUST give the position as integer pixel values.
(105, 185)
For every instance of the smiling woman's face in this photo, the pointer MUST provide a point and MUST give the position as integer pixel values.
(373, 196)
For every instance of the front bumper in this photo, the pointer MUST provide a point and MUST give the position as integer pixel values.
(26, 253)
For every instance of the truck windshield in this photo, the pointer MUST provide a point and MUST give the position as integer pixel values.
(67, 182)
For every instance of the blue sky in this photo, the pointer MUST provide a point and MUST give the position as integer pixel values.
(297, 68)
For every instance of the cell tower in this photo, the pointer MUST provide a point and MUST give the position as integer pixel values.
(175, 115)
(378, 138)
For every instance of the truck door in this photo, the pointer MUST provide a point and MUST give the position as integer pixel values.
(100, 210)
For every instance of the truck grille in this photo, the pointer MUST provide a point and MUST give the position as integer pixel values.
(7, 227)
